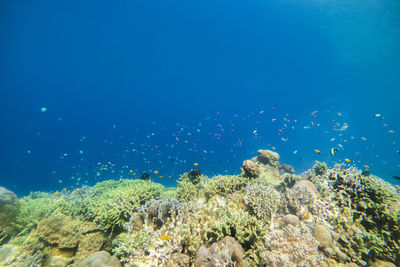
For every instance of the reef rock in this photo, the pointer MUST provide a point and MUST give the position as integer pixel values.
(8, 207)
(226, 252)
(268, 157)
(100, 258)
(265, 167)
(252, 169)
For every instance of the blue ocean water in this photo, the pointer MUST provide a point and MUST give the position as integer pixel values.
(101, 90)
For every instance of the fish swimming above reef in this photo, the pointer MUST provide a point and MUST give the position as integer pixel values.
(396, 177)
(194, 173)
(286, 168)
(317, 151)
(340, 128)
(145, 176)
(333, 151)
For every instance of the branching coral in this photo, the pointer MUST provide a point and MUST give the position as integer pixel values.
(370, 216)
(223, 185)
(112, 202)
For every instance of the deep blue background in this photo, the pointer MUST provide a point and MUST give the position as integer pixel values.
(117, 76)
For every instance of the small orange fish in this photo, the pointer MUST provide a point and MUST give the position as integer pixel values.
(347, 160)
(161, 176)
(156, 172)
(367, 167)
(165, 237)
(195, 164)
(317, 151)
(241, 170)
(130, 171)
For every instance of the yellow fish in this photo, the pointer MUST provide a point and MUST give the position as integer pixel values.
(317, 151)
(156, 172)
(161, 176)
(130, 171)
(165, 237)
(367, 167)
(55, 193)
(195, 164)
(347, 160)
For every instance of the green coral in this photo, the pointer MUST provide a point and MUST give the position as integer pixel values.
(113, 202)
(127, 244)
(207, 188)
(187, 190)
(373, 206)
(224, 184)
(33, 209)
(168, 193)
(109, 204)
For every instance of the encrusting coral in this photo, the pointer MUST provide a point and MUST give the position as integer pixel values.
(335, 216)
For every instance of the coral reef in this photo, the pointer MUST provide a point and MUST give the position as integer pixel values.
(335, 216)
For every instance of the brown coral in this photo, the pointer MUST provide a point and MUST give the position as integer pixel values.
(292, 246)
(251, 169)
(268, 157)
(65, 233)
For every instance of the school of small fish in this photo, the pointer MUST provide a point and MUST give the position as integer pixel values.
(201, 142)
